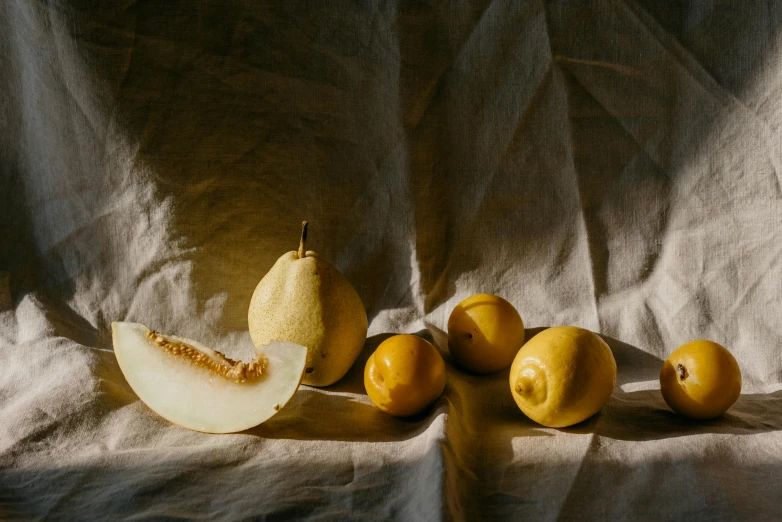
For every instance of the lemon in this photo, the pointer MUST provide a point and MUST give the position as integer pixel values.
(484, 333)
(700, 379)
(562, 376)
(404, 375)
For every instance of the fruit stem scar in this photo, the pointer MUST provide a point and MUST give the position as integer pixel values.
(302, 253)
(683, 374)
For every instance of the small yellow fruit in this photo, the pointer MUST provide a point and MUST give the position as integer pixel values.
(404, 375)
(485, 333)
(562, 376)
(700, 379)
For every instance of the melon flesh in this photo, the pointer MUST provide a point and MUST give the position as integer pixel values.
(194, 396)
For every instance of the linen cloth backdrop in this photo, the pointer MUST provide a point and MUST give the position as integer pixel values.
(610, 164)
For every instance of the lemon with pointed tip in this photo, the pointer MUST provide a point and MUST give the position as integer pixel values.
(485, 333)
(562, 376)
(700, 379)
(404, 375)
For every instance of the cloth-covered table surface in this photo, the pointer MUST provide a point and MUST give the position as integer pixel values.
(610, 164)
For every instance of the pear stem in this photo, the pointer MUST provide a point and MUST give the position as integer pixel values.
(302, 253)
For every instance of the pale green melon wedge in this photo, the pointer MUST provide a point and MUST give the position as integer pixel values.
(198, 388)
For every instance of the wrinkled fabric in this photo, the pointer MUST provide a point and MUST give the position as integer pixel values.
(610, 164)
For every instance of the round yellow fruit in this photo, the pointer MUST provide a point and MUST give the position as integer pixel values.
(700, 379)
(562, 376)
(485, 333)
(404, 375)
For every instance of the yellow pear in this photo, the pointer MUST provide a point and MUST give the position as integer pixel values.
(305, 300)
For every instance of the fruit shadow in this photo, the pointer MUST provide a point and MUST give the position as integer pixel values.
(344, 412)
(644, 416)
(501, 410)
(313, 414)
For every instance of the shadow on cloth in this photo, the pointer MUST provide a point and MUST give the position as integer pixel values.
(644, 416)
(228, 483)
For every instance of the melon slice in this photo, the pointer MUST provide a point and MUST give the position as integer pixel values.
(198, 388)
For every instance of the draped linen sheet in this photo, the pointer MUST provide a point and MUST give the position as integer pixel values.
(611, 164)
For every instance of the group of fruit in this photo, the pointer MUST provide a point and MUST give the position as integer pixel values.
(309, 326)
(564, 375)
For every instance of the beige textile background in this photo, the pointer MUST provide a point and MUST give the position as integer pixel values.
(612, 164)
